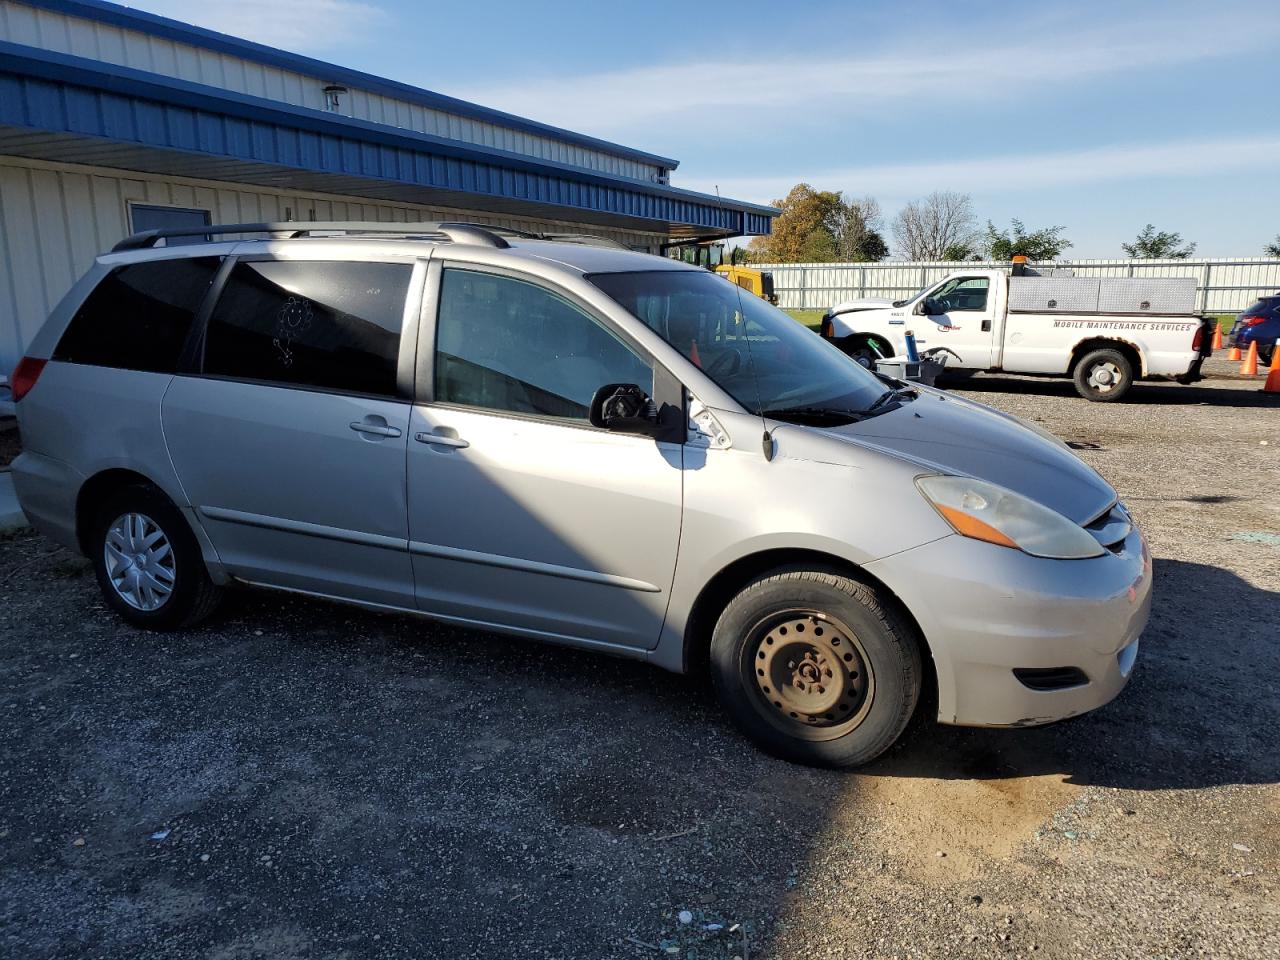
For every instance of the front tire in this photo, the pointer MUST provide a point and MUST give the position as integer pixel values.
(148, 563)
(1103, 376)
(816, 667)
(863, 349)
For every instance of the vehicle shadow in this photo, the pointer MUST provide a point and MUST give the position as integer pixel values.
(1193, 715)
(1211, 392)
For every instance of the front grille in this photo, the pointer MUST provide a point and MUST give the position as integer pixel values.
(1050, 678)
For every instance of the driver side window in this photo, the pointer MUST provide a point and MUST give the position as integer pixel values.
(962, 294)
(504, 344)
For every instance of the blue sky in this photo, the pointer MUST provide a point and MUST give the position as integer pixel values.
(1100, 117)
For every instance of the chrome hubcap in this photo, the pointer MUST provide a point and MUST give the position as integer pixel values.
(139, 561)
(1104, 376)
(811, 674)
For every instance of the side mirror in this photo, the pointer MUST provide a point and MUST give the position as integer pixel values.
(624, 408)
(929, 308)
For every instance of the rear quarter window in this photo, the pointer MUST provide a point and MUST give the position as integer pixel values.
(139, 316)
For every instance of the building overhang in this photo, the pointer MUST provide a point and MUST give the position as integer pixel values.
(70, 109)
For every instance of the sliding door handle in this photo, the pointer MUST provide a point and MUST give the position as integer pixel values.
(374, 429)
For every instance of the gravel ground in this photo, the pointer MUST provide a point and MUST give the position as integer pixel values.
(297, 779)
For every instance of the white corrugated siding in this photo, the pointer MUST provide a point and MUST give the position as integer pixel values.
(55, 218)
(1223, 285)
(79, 37)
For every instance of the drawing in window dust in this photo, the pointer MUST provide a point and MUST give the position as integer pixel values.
(293, 320)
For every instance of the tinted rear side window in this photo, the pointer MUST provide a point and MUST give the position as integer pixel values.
(331, 325)
(139, 316)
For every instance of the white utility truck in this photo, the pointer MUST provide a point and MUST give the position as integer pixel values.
(1102, 332)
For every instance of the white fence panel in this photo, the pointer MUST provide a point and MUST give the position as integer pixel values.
(1224, 285)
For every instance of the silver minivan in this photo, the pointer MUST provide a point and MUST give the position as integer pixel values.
(568, 441)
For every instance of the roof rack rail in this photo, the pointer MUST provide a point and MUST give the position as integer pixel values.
(586, 239)
(455, 232)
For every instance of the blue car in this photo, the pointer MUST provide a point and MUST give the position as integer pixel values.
(1259, 324)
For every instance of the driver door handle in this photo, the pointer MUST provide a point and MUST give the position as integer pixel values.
(441, 439)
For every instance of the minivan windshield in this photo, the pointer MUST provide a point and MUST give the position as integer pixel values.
(757, 354)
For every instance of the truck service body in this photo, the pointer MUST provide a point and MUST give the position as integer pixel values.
(1104, 332)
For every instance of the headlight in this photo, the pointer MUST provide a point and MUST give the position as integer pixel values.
(984, 511)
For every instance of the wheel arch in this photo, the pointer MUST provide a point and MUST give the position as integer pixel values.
(878, 341)
(726, 583)
(1132, 352)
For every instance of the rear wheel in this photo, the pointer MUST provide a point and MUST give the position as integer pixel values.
(148, 563)
(1103, 375)
(816, 667)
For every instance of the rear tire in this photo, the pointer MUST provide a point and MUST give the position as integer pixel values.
(148, 563)
(816, 667)
(1103, 376)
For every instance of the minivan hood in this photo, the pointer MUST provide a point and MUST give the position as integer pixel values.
(948, 434)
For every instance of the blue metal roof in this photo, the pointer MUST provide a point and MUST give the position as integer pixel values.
(93, 112)
(158, 26)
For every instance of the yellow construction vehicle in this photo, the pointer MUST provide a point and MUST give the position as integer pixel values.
(711, 256)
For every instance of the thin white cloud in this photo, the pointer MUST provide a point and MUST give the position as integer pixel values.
(1012, 172)
(300, 25)
(820, 84)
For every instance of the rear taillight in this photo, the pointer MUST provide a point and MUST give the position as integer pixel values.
(1198, 338)
(25, 376)
(1252, 321)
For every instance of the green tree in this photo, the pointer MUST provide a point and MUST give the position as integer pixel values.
(1046, 243)
(1152, 244)
(961, 251)
(820, 226)
(1272, 249)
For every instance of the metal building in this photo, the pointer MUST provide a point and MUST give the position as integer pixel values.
(113, 120)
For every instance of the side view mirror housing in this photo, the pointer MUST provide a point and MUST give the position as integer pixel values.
(928, 307)
(624, 408)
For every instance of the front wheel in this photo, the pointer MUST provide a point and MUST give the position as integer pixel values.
(865, 351)
(1103, 375)
(816, 667)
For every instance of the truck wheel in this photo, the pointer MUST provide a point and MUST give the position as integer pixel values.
(1103, 375)
(148, 563)
(816, 667)
(861, 349)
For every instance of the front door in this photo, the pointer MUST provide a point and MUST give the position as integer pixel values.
(290, 441)
(521, 514)
(961, 313)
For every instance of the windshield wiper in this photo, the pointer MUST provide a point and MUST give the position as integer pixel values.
(901, 393)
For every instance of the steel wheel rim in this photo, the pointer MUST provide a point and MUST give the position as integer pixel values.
(1104, 377)
(139, 561)
(811, 676)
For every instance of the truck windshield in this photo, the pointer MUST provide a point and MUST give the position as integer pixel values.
(757, 354)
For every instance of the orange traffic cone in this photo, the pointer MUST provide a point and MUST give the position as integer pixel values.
(1217, 338)
(1250, 366)
(1273, 377)
(1234, 354)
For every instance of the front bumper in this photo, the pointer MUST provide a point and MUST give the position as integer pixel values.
(987, 610)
